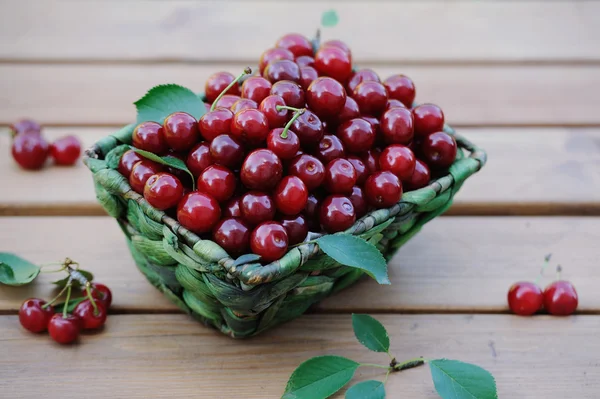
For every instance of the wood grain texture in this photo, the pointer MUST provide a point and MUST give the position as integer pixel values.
(183, 30)
(470, 95)
(530, 171)
(171, 355)
(455, 264)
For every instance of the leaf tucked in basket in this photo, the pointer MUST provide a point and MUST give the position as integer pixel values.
(163, 100)
(168, 161)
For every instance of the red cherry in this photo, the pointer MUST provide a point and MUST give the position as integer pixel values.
(250, 125)
(309, 129)
(141, 172)
(232, 209)
(180, 131)
(359, 201)
(401, 88)
(357, 135)
(215, 123)
(218, 182)
(326, 97)
(64, 330)
(298, 44)
(371, 97)
(163, 191)
(330, 148)
(296, 228)
(350, 111)
(362, 75)
(290, 195)
(399, 160)
(90, 319)
(276, 118)
(311, 211)
(274, 54)
(371, 160)
(282, 70)
(291, 92)
(307, 75)
(339, 44)
(257, 207)
(397, 126)
(233, 235)
(127, 162)
(360, 168)
(335, 62)
(428, 118)
(102, 294)
(309, 169)
(336, 214)
(227, 101)
(261, 170)
(340, 176)
(30, 151)
(216, 83)
(305, 61)
(269, 240)
(256, 88)
(420, 177)
(439, 150)
(393, 103)
(373, 121)
(560, 298)
(25, 126)
(33, 316)
(65, 150)
(149, 136)
(243, 103)
(227, 151)
(525, 298)
(199, 158)
(284, 148)
(198, 212)
(383, 189)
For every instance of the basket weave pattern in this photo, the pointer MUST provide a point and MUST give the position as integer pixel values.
(240, 297)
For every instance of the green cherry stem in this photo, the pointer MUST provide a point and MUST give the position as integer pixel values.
(280, 107)
(247, 71)
(379, 366)
(69, 285)
(558, 272)
(298, 112)
(56, 297)
(91, 298)
(546, 263)
(386, 376)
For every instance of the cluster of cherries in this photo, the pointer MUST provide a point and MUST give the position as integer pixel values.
(31, 150)
(310, 145)
(37, 315)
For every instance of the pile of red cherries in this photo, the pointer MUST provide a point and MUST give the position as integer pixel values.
(309, 145)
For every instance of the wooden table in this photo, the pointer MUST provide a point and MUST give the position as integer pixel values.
(521, 79)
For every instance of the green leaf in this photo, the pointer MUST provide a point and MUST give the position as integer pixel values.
(329, 18)
(163, 100)
(320, 377)
(352, 251)
(16, 271)
(63, 282)
(73, 302)
(458, 380)
(167, 160)
(370, 389)
(371, 333)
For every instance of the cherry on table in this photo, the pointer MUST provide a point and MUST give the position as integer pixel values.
(28, 126)
(309, 129)
(340, 176)
(180, 131)
(427, 118)
(336, 213)
(334, 62)
(525, 298)
(276, 118)
(101, 293)
(401, 88)
(66, 150)
(215, 123)
(33, 316)
(217, 82)
(383, 189)
(326, 97)
(149, 136)
(90, 318)
(269, 240)
(291, 92)
(357, 135)
(560, 298)
(282, 70)
(227, 151)
(362, 75)
(218, 182)
(399, 160)
(199, 158)
(250, 125)
(371, 98)
(439, 150)
(397, 126)
(290, 195)
(261, 170)
(309, 169)
(198, 212)
(30, 151)
(141, 172)
(284, 148)
(243, 103)
(296, 43)
(233, 235)
(256, 88)
(227, 101)
(163, 191)
(296, 228)
(257, 207)
(127, 162)
(274, 54)
(420, 177)
(307, 75)
(64, 330)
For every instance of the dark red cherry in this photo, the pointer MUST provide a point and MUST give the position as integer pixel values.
(65, 150)
(198, 212)
(163, 191)
(350, 111)
(296, 228)
(326, 97)
(257, 207)
(127, 161)
(362, 75)
(261, 170)
(439, 150)
(33, 316)
(393, 103)
(298, 44)
(284, 148)
(336, 214)
(397, 126)
(309, 129)
(232, 208)
(311, 211)
(309, 169)
(269, 240)
(427, 118)
(227, 101)
(359, 201)
(357, 135)
(340, 176)
(361, 169)
(305, 61)
(215, 123)
(64, 330)
(399, 160)
(30, 150)
(282, 70)
(199, 158)
(291, 92)
(274, 54)
(373, 121)
(290, 195)
(180, 131)
(140, 174)
(218, 182)
(560, 298)
(383, 189)
(339, 44)
(371, 160)
(401, 88)
(420, 177)
(330, 148)
(216, 83)
(276, 118)
(334, 62)
(149, 136)
(256, 88)
(307, 75)
(243, 103)
(233, 235)
(227, 151)
(250, 125)
(525, 298)
(25, 126)
(371, 98)
(91, 318)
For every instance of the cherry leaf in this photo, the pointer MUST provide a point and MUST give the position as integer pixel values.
(329, 18)
(163, 100)
(458, 380)
(168, 161)
(371, 333)
(16, 271)
(370, 389)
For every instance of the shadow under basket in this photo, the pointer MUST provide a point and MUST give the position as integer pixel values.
(241, 297)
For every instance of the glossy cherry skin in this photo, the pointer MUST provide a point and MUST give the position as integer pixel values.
(393, 103)
(199, 158)
(181, 131)
(371, 160)
(330, 148)
(357, 135)
(340, 176)
(227, 151)
(397, 126)
(276, 118)
(383, 189)
(232, 208)
(361, 169)
(439, 150)
(30, 151)
(307, 75)
(215, 123)
(311, 210)
(257, 207)
(64, 330)
(427, 118)
(420, 177)
(216, 83)
(309, 169)
(90, 319)
(399, 160)
(256, 88)
(33, 316)
(296, 228)
(218, 182)
(298, 44)
(359, 201)
(339, 44)
(336, 214)
(250, 125)
(65, 150)
(371, 98)
(284, 148)
(227, 101)
(525, 298)
(305, 61)
(269, 240)
(282, 70)
(101, 293)
(141, 172)
(401, 88)
(163, 191)
(198, 212)
(350, 111)
(243, 103)
(233, 235)
(149, 136)
(274, 54)
(362, 75)
(127, 161)
(291, 92)
(334, 62)
(290, 195)
(309, 129)
(25, 126)
(560, 298)
(326, 97)
(261, 170)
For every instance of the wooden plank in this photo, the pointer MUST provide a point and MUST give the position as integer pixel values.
(455, 264)
(470, 95)
(540, 172)
(179, 30)
(542, 357)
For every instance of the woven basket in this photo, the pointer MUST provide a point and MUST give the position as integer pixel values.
(240, 297)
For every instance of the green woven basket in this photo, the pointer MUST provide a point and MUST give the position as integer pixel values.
(240, 297)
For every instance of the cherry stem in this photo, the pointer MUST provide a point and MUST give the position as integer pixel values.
(247, 71)
(386, 376)
(57, 296)
(68, 298)
(546, 263)
(91, 298)
(558, 271)
(298, 112)
(409, 364)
